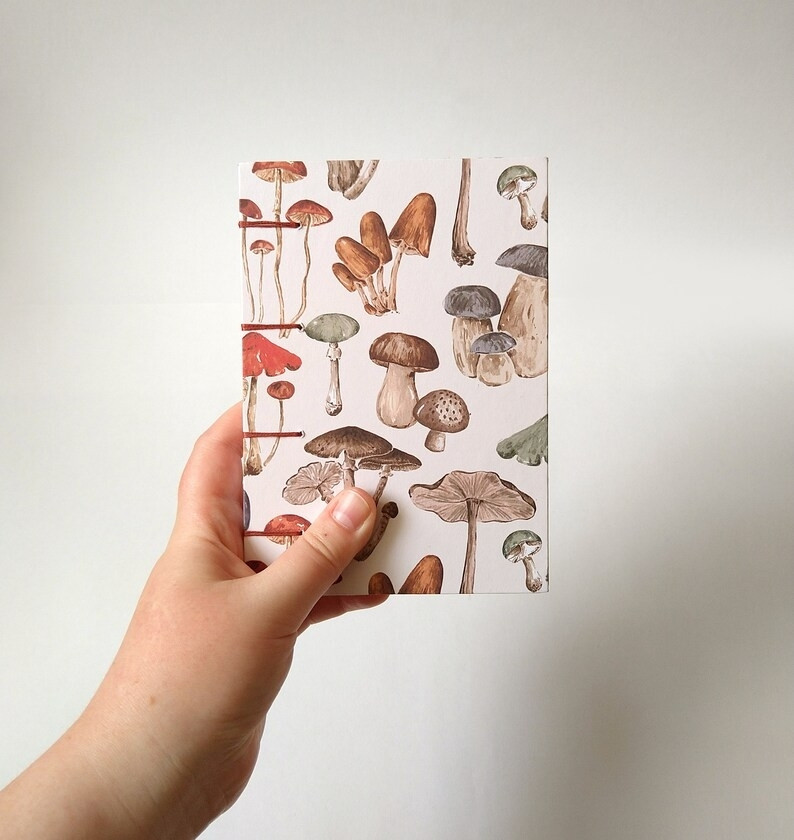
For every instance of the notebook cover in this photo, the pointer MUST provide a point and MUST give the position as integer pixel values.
(418, 371)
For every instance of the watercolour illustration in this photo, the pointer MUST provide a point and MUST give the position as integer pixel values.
(426, 578)
(388, 512)
(375, 239)
(313, 481)
(350, 444)
(350, 177)
(307, 214)
(516, 182)
(388, 464)
(412, 234)
(472, 308)
(495, 366)
(332, 329)
(462, 252)
(523, 545)
(529, 446)
(248, 210)
(260, 247)
(441, 412)
(281, 391)
(361, 264)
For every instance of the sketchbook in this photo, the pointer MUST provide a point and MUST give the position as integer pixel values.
(395, 337)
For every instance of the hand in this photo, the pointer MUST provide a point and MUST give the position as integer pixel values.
(172, 735)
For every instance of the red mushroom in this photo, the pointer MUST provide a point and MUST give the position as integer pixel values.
(248, 210)
(286, 528)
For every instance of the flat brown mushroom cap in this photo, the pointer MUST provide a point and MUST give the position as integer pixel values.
(281, 390)
(261, 246)
(442, 411)
(360, 260)
(403, 349)
(413, 230)
(291, 170)
(395, 460)
(374, 236)
(498, 500)
(357, 442)
(306, 212)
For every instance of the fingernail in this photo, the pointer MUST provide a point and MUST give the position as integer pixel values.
(350, 510)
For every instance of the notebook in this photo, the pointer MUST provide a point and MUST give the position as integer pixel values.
(395, 335)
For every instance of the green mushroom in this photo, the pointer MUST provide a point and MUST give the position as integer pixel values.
(516, 182)
(522, 545)
(332, 328)
(529, 446)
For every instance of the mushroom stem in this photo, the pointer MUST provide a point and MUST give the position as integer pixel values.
(279, 246)
(374, 297)
(534, 579)
(364, 177)
(467, 582)
(462, 252)
(348, 470)
(392, 299)
(435, 441)
(388, 512)
(528, 217)
(261, 298)
(464, 332)
(385, 472)
(253, 461)
(276, 440)
(495, 369)
(247, 273)
(380, 291)
(397, 397)
(304, 282)
(333, 400)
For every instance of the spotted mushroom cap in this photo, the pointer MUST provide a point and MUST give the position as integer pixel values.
(442, 411)
(409, 351)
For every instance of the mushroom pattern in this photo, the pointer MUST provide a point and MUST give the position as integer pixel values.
(313, 481)
(349, 280)
(472, 497)
(522, 545)
(306, 213)
(380, 584)
(246, 511)
(350, 444)
(529, 446)
(403, 356)
(362, 264)
(425, 578)
(279, 172)
(388, 512)
(280, 390)
(412, 233)
(441, 412)
(248, 210)
(375, 239)
(286, 528)
(525, 314)
(332, 328)
(462, 252)
(472, 308)
(350, 177)
(260, 247)
(495, 366)
(516, 182)
(261, 356)
(544, 212)
(388, 464)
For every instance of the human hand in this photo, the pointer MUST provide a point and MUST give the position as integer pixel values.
(172, 735)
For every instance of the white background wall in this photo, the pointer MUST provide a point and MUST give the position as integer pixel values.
(649, 695)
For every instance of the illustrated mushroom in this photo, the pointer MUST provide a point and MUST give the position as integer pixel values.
(516, 182)
(425, 578)
(472, 308)
(280, 390)
(286, 528)
(403, 356)
(332, 328)
(495, 366)
(529, 446)
(462, 252)
(412, 233)
(521, 545)
(472, 497)
(307, 213)
(248, 210)
(362, 264)
(375, 239)
(350, 177)
(279, 172)
(246, 511)
(388, 464)
(350, 444)
(349, 280)
(544, 213)
(260, 247)
(525, 314)
(388, 512)
(380, 584)
(442, 412)
(261, 356)
(313, 481)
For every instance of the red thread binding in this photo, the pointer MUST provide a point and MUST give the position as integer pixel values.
(249, 327)
(268, 223)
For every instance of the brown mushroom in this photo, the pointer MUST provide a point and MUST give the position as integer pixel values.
(313, 481)
(307, 214)
(248, 210)
(361, 262)
(462, 252)
(441, 412)
(350, 444)
(280, 390)
(412, 233)
(388, 463)
(380, 584)
(375, 239)
(388, 512)
(349, 280)
(495, 366)
(260, 247)
(403, 356)
(425, 578)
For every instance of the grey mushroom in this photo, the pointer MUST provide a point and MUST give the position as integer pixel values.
(332, 328)
(472, 308)
(522, 545)
(495, 366)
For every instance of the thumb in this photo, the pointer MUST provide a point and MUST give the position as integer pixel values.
(304, 572)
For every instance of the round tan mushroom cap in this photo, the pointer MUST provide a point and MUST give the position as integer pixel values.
(306, 212)
(442, 411)
(409, 351)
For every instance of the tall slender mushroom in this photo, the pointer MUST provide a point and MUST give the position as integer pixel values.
(313, 481)
(472, 497)
(350, 177)
(525, 314)
(332, 328)
(280, 390)
(522, 545)
(403, 356)
(388, 512)
(462, 252)
(442, 412)
(528, 446)
(260, 247)
(361, 262)
(306, 213)
(388, 464)
(375, 239)
(350, 444)
(472, 308)
(279, 172)
(248, 210)
(516, 182)
(495, 366)
(412, 233)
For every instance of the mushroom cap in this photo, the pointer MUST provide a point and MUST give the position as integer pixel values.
(374, 236)
(425, 578)
(380, 584)
(291, 170)
(517, 539)
(312, 481)
(515, 180)
(360, 260)
(442, 411)
(358, 443)
(529, 446)
(478, 302)
(528, 259)
(413, 230)
(263, 356)
(345, 276)
(331, 327)
(249, 209)
(261, 246)
(493, 342)
(281, 390)
(395, 460)
(285, 526)
(307, 212)
(402, 349)
(246, 511)
(497, 500)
